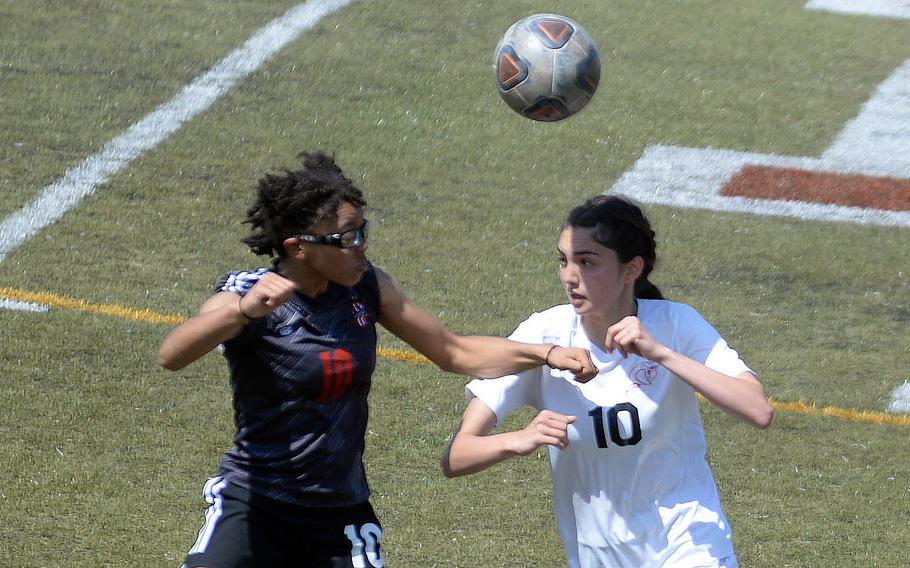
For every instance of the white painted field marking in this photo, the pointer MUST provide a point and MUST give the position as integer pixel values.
(883, 8)
(693, 178)
(6, 304)
(82, 180)
(875, 143)
(900, 398)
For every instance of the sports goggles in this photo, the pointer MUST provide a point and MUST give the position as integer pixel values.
(349, 239)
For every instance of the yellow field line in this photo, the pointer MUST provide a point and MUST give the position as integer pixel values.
(406, 355)
(845, 413)
(68, 303)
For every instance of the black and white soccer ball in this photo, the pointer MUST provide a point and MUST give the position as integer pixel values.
(546, 67)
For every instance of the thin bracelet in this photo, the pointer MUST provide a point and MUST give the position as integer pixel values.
(547, 358)
(240, 309)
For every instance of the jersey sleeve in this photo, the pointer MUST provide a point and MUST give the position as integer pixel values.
(503, 395)
(704, 344)
(239, 282)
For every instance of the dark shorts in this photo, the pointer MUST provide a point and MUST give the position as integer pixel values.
(243, 529)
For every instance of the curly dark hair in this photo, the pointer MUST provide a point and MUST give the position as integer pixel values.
(620, 225)
(297, 200)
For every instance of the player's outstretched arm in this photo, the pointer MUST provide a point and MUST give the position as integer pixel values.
(479, 356)
(473, 449)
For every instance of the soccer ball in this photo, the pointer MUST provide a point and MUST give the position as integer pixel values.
(546, 67)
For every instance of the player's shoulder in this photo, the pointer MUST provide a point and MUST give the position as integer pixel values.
(383, 279)
(551, 320)
(666, 312)
(389, 291)
(240, 281)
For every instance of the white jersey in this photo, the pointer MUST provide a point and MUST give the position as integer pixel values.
(634, 488)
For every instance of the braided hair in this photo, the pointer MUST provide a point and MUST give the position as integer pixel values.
(295, 201)
(620, 225)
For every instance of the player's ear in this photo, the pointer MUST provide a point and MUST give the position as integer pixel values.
(293, 247)
(634, 269)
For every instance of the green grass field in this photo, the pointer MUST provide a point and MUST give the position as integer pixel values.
(104, 454)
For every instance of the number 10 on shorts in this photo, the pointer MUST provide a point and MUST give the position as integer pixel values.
(365, 551)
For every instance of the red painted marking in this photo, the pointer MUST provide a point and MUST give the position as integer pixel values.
(791, 184)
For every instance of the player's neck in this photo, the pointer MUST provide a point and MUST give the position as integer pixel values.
(308, 284)
(596, 324)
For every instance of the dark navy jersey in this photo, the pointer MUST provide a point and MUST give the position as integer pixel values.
(300, 378)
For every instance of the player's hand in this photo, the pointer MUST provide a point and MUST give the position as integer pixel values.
(547, 428)
(630, 336)
(575, 360)
(271, 291)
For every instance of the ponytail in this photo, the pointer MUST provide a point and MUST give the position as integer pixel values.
(646, 290)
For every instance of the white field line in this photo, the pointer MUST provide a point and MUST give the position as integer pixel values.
(878, 140)
(693, 178)
(82, 180)
(6, 304)
(900, 398)
(875, 143)
(882, 8)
